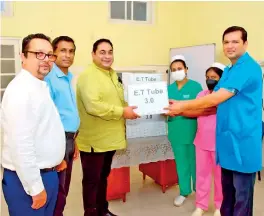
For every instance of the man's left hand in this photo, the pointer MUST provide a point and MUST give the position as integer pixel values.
(76, 152)
(62, 166)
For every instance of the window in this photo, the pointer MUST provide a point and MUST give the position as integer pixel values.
(6, 8)
(10, 62)
(133, 11)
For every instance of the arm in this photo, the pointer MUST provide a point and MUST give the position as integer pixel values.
(199, 112)
(21, 130)
(236, 82)
(207, 101)
(89, 92)
(211, 100)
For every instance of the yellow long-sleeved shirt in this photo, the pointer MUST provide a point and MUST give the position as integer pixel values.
(100, 100)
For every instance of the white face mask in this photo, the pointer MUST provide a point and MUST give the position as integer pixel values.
(178, 75)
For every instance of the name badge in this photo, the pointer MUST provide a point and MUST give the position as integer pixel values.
(186, 96)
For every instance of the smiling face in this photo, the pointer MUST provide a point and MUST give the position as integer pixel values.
(65, 52)
(103, 57)
(30, 62)
(233, 45)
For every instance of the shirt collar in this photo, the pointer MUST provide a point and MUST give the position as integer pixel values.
(59, 73)
(33, 79)
(103, 70)
(242, 58)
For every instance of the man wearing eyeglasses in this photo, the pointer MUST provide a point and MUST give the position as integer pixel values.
(62, 93)
(34, 138)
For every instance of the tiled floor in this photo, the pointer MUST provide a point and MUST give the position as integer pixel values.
(145, 199)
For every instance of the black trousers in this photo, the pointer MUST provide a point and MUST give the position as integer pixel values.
(96, 169)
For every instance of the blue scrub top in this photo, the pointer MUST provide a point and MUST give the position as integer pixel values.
(239, 119)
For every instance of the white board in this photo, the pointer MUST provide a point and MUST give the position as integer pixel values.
(198, 59)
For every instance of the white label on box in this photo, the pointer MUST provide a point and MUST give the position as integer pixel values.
(150, 98)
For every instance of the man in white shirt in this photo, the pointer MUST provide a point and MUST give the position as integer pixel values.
(34, 138)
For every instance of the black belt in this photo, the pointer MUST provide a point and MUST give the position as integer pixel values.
(41, 170)
(71, 135)
(48, 169)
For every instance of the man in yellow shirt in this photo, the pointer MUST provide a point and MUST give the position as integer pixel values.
(102, 110)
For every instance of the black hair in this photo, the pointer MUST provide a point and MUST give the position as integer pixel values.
(217, 70)
(236, 28)
(26, 41)
(62, 38)
(98, 42)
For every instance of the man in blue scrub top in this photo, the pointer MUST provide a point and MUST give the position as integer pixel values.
(238, 97)
(62, 93)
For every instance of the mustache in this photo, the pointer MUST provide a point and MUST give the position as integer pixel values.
(44, 65)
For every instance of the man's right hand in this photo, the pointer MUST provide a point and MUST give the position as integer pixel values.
(129, 113)
(39, 200)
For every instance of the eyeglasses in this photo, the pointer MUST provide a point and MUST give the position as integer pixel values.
(42, 55)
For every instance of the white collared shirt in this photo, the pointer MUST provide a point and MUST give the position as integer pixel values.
(34, 137)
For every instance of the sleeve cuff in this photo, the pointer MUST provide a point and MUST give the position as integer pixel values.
(119, 112)
(231, 90)
(36, 188)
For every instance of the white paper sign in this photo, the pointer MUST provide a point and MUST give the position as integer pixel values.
(150, 98)
(147, 125)
(138, 78)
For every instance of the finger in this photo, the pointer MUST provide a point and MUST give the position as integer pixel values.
(40, 204)
(75, 157)
(170, 114)
(172, 101)
(60, 168)
(34, 205)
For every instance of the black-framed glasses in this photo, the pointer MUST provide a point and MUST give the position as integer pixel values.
(42, 55)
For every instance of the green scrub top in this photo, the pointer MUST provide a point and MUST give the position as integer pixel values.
(182, 130)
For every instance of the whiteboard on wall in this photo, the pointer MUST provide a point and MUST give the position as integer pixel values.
(198, 59)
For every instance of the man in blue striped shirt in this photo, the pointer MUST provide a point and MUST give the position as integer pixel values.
(62, 93)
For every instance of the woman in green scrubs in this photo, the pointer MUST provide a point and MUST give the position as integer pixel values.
(182, 130)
